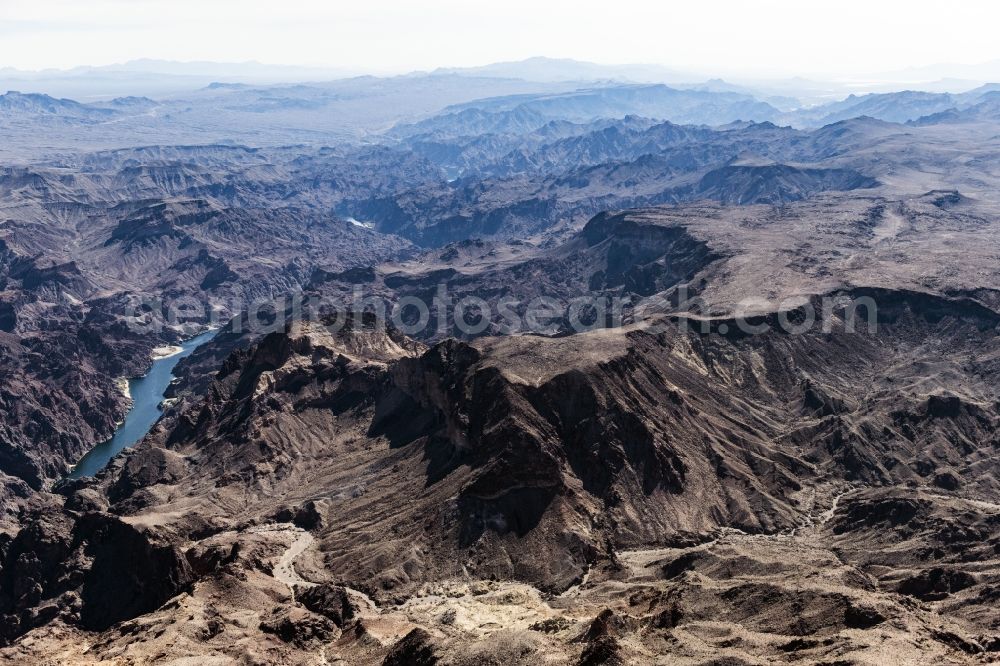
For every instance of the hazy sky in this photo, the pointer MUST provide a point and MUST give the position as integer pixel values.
(845, 37)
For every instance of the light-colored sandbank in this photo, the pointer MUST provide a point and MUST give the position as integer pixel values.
(123, 386)
(166, 351)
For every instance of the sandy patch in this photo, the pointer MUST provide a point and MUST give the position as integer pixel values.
(166, 351)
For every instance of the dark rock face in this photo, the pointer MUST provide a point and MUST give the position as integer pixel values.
(606, 624)
(93, 571)
(305, 516)
(358, 275)
(297, 626)
(860, 617)
(145, 469)
(947, 480)
(128, 575)
(892, 512)
(330, 601)
(944, 406)
(601, 651)
(936, 584)
(33, 570)
(643, 259)
(522, 443)
(8, 317)
(210, 560)
(218, 272)
(958, 642)
(414, 649)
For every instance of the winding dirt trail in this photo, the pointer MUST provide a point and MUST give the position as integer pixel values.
(827, 515)
(284, 571)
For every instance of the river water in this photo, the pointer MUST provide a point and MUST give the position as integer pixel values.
(147, 394)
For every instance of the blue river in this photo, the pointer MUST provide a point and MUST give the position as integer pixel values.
(147, 394)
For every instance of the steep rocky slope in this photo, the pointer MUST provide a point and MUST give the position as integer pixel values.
(596, 458)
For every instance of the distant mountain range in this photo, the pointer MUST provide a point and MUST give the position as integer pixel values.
(655, 101)
(450, 103)
(565, 69)
(157, 78)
